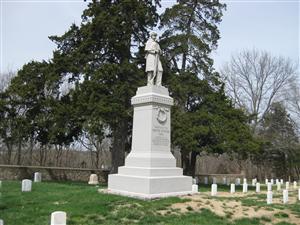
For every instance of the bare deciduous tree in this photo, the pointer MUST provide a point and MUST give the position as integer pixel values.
(255, 79)
(5, 79)
(98, 148)
(294, 98)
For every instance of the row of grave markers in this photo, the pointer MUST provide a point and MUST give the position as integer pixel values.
(226, 181)
(285, 193)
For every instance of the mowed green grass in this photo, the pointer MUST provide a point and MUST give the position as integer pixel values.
(86, 206)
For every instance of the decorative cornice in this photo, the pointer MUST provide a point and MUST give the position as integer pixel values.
(152, 98)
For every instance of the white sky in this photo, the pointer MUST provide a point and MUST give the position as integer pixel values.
(26, 24)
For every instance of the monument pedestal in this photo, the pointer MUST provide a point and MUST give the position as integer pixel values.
(150, 169)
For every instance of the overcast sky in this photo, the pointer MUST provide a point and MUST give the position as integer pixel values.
(26, 25)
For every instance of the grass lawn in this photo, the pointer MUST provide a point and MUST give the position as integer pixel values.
(86, 206)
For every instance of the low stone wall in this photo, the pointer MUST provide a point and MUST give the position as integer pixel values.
(230, 178)
(14, 172)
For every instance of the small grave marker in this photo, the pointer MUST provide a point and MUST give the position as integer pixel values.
(269, 186)
(245, 187)
(257, 188)
(26, 185)
(232, 188)
(58, 218)
(285, 196)
(287, 185)
(269, 197)
(278, 186)
(295, 185)
(195, 188)
(93, 179)
(214, 189)
(37, 177)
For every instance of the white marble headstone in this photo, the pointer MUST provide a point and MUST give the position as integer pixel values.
(1, 222)
(269, 197)
(295, 185)
(245, 180)
(26, 185)
(299, 194)
(281, 181)
(214, 189)
(93, 179)
(195, 188)
(205, 180)
(37, 177)
(0, 183)
(285, 194)
(269, 186)
(278, 186)
(245, 187)
(58, 218)
(266, 181)
(238, 181)
(257, 187)
(194, 181)
(232, 188)
(287, 185)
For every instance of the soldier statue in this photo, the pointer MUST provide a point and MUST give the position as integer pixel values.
(154, 68)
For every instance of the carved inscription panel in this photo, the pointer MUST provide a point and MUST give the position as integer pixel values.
(161, 129)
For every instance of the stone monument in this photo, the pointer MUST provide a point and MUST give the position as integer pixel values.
(150, 169)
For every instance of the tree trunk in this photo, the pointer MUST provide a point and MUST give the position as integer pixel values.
(185, 162)
(193, 163)
(19, 153)
(9, 153)
(118, 146)
(31, 144)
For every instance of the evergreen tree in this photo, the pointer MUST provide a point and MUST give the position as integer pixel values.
(203, 119)
(105, 53)
(281, 143)
(190, 34)
(34, 111)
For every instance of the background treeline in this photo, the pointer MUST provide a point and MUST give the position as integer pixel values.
(80, 98)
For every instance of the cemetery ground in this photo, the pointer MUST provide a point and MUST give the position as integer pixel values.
(84, 205)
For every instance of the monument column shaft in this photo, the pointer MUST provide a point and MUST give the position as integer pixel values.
(149, 135)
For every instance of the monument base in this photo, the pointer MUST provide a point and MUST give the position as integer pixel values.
(149, 187)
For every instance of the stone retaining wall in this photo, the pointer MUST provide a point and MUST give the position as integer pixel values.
(13, 172)
(219, 178)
